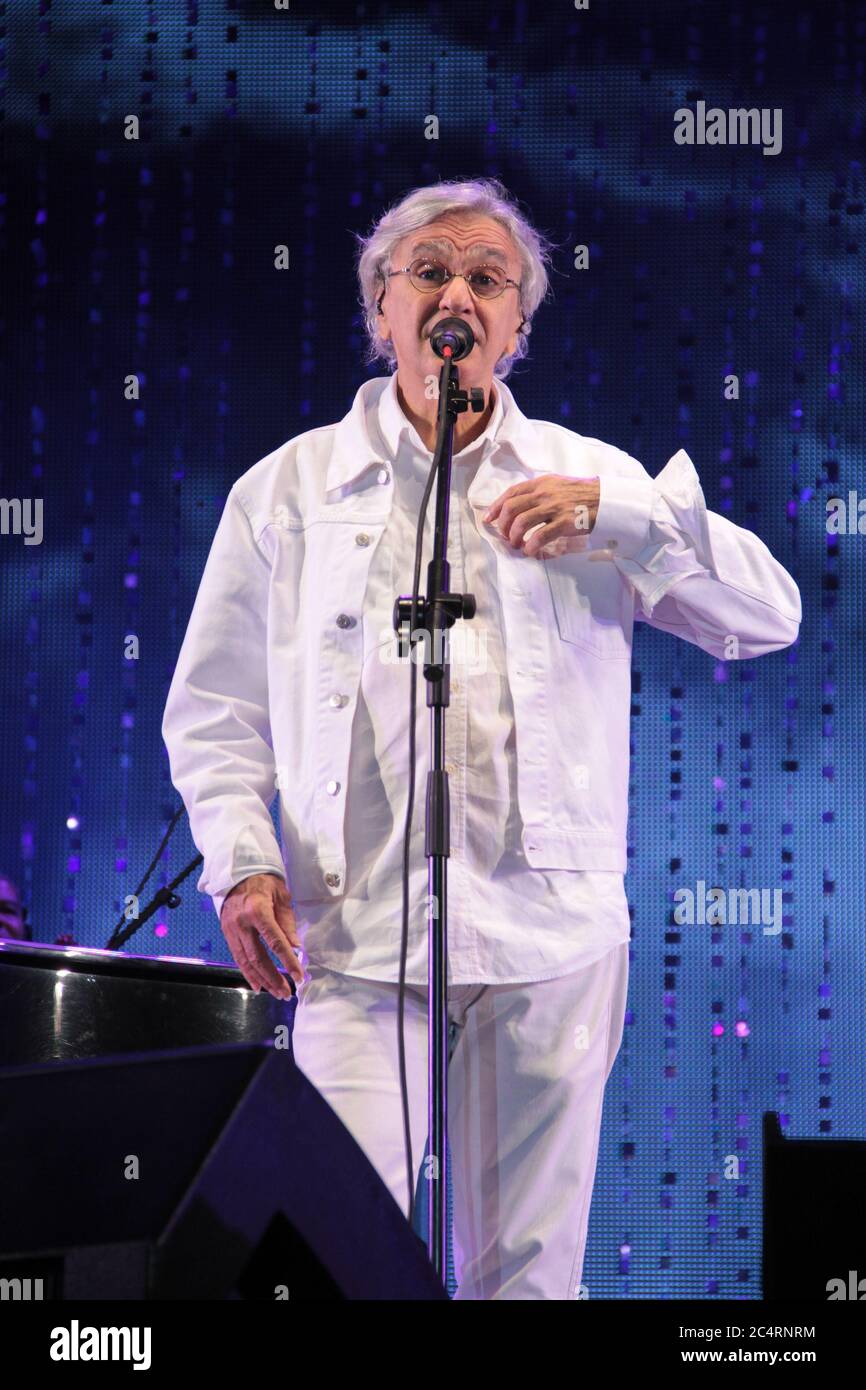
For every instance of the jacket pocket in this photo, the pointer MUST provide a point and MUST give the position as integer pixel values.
(592, 604)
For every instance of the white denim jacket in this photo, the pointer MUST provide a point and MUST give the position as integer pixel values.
(276, 630)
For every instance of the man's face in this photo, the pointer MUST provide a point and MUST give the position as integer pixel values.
(11, 912)
(460, 241)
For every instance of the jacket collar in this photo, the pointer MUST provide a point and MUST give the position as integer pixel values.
(369, 435)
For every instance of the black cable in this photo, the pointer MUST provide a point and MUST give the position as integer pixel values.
(407, 834)
(150, 868)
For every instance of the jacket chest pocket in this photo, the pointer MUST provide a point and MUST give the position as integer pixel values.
(592, 604)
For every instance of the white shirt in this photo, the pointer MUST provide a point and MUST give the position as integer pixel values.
(288, 677)
(506, 921)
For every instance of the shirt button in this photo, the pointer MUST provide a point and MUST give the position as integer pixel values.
(362, 538)
(455, 685)
(338, 701)
(332, 880)
(383, 476)
(345, 620)
(449, 768)
(332, 788)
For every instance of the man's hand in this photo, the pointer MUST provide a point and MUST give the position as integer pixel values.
(257, 910)
(562, 509)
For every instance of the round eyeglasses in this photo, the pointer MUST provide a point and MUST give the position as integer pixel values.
(485, 281)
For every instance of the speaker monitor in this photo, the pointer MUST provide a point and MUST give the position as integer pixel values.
(202, 1173)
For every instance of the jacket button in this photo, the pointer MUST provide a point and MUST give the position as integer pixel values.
(383, 476)
(332, 880)
(338, 701)
(332, 788)
(345, 620)
(362, 538)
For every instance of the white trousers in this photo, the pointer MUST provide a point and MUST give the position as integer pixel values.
(526, 1084)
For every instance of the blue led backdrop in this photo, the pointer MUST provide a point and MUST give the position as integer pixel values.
(719, 308)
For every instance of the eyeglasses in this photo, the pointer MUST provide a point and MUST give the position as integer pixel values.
(485, 281)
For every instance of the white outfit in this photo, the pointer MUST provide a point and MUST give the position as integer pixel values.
(525, 1091)
(288, 677)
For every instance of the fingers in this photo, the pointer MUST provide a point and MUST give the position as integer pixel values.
(281, 940)
(520, 512)
(246, 962)
(529, 519)
(518, 518)
(544, 541)
(565, 505)
(270, 935)
(273, 980)
(250, 923)
(514, 491)
(285, 915)
(552, 540)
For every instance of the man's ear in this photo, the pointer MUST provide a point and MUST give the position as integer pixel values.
(512, 341)
(382, 319)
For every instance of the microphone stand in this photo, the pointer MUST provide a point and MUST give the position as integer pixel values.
(164, 897)
(435, 615)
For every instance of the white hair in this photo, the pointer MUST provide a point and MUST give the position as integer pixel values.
(424, 205)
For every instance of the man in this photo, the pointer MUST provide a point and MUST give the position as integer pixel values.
(288, 678)
(13, 913)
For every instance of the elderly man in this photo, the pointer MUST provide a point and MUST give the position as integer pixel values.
(288, 679)
(13, 913)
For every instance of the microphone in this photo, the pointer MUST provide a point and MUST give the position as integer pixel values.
(453, 333)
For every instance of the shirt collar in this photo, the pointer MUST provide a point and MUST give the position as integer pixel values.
(371, 433)
(396, 429)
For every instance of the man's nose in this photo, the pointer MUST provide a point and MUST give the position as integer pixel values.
(457, 296)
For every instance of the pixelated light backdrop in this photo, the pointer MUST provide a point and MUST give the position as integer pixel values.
(261, 125)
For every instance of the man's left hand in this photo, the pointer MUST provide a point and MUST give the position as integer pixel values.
(563, 509)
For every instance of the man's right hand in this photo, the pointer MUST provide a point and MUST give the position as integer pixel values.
(256, 913)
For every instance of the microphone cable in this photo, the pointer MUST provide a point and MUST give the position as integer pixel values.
(407, 834)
